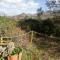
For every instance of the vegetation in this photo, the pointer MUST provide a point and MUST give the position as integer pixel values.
(45, 47)
(57, 32)
(7, 25)
(41, 44)
(29, 24)
(1, 58)
(16, 50)
(39, 12)
(47, 26)
(50, 4)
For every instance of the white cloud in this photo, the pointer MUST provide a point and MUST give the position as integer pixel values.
(18, 6)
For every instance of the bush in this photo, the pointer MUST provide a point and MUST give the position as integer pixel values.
(30, 24)
(57, 32)
(42, 26)
(47, 27)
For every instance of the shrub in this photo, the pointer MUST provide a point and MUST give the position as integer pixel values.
(30, 24)
(43, 26)
(57, 32)
(47, 27)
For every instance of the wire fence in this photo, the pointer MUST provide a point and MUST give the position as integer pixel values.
(37, 46)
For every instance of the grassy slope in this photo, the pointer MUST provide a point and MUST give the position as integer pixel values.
(7, 22)
(34, 53)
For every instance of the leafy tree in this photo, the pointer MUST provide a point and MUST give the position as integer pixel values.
(53, 5)
(39, 12)
(50, 4)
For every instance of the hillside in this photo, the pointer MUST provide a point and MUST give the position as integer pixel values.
(24, 16)
(35, 45)
(45, 15)
(7, 25)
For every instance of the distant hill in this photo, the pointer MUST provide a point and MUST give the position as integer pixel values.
(45, 15)
(24, 16)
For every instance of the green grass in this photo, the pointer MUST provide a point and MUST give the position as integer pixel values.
(7, 24)
(32, 53)
(4, 21)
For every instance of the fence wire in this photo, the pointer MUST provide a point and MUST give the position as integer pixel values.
(37, 46)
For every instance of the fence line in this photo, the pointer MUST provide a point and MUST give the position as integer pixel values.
(29, 36)
(23, 41)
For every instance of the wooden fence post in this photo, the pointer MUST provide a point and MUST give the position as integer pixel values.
(32, 34)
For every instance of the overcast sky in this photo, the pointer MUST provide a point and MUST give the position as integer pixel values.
(13, 7)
